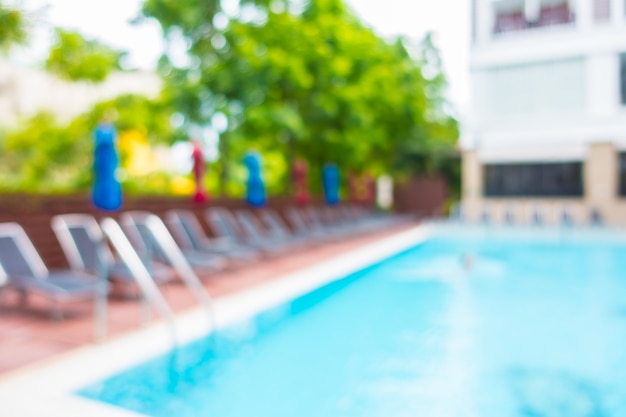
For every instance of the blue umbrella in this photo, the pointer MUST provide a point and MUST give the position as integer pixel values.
(330, 179)
(107, 192)
(255, 188)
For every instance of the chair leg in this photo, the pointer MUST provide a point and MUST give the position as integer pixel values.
(57, 313)
(23, 298)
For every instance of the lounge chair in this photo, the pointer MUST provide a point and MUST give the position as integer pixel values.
(595, 218)
(362, 220)
(536, 216)
(24, 271)
(225, 225)
(151, 245)
(485, 216)
(189, 234)
(320, 222)
(509, 216)
(277, 228)
(81, 238)
(301, 226)
(566, 217)
(256, 235)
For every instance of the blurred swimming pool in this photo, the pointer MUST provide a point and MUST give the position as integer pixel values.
(453, 327)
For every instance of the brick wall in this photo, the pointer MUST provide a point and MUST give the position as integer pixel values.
(422, 196)
(34, 212)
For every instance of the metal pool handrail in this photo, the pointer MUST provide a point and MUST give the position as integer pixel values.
(129, 256)
(174, 255)
(160, 235)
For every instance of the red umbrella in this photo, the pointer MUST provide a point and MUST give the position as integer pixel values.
(200, 196)
(300, 179)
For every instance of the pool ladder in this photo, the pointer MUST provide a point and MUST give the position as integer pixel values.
(150, 293)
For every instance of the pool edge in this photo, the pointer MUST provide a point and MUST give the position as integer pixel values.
(53, 382)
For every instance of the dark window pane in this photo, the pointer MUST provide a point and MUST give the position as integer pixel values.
(622, 174)
(623, 77)
(534, 180)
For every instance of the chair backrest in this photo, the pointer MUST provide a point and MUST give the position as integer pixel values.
(18, 256)
(134, 224)
(359, 212)
(274, 223)
(297, 221)
(314, 217)
(79, 235)
(346, 213)
(186, 228)
(223, 223)
(3, 277)
(327, 214)
(250, 225)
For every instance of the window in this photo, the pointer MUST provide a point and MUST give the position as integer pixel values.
(511, 16)
(561, 179)
(602, 10)
(622, 174)
(623, 77)
(539, 89)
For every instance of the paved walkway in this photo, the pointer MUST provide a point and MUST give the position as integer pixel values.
(28, 335)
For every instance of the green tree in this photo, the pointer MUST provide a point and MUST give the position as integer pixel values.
(306, 78)
(13, 27)
(75, 58)
(45, 155)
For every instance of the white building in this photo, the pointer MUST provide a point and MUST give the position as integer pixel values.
(549, 108)
(26, 91)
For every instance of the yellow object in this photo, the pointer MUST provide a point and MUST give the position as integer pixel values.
(182, 186)
(140, 160)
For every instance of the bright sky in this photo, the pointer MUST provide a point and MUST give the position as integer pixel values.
(108, 20)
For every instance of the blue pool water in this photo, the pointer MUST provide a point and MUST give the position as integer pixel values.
(454, 327)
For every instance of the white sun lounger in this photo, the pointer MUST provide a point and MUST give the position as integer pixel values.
(24, 271)
(189, 234)
(141, 228)
(82, 242)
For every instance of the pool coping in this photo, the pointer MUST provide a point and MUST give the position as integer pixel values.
(46, 388)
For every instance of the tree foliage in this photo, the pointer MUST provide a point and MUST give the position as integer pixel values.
(75, 58)
(13, 27)
(308, 79)
(45, 155)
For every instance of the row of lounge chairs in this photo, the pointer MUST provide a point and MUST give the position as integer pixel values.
(532, 215)
(143, 245)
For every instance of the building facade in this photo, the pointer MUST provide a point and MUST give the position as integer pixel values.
(26, 91)
(549, 109)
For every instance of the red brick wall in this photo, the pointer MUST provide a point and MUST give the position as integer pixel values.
(34, 213)
(423, 196)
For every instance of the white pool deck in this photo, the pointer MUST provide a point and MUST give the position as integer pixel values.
(45, 389)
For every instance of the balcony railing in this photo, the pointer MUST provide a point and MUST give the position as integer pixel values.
(549, 16)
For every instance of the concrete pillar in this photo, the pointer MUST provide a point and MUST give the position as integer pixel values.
(472, 182)
(618, 11)
(584, 13)
(484, 21)
(601, 180)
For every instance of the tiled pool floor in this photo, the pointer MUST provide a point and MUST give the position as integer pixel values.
(28, 335)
